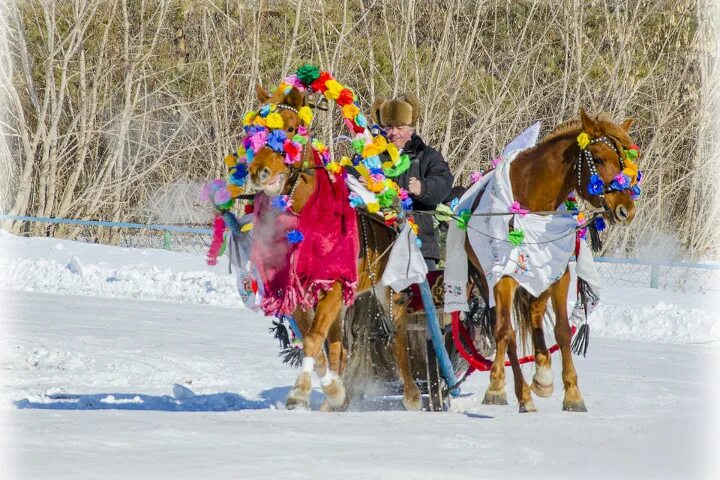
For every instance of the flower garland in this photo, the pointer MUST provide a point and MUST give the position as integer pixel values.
(265, 128)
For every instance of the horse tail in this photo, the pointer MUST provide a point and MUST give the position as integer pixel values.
(522, 318)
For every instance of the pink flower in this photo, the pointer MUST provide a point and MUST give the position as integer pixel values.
(302, 130)
(258, 140)
(403, 194)
(516, 208)
(293, 81)
(221, 196)
(476, 176)
(496, 161)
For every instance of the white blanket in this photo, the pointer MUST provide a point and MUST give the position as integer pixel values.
(535, 264)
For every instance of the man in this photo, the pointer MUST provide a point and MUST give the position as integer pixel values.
(428, 180)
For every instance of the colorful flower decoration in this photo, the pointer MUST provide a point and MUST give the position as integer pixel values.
(294, 236)
(516, 237)
(517, 209)
(595, 186)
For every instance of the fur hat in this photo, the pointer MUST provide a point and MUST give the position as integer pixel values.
(400, 111)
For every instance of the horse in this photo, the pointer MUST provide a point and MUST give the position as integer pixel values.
(270, 175)
(542, 178)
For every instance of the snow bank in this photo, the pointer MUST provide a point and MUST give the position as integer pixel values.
(73, 268)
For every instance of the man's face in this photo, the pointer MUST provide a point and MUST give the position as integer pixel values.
(399, 134)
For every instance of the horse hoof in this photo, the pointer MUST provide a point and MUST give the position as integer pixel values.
(299, 396)
(541, 390)
(411, 400)
(527, 407)
(495, 398)
(335, 393)
(574, 406)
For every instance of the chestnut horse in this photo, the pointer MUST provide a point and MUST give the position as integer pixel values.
(269, 174)
(541, 179)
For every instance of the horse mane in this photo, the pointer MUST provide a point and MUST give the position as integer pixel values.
(574, 126)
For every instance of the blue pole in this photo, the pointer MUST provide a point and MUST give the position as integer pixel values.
(437, 338)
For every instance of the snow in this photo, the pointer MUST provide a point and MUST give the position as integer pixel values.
(191, 386)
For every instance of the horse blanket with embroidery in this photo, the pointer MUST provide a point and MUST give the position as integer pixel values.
(296, 274)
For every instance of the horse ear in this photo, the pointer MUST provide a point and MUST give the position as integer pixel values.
(375, 110)
(627, 124)
(589, 125)
(295, 98)
(262, 94)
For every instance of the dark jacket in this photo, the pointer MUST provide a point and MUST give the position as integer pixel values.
(428, 166)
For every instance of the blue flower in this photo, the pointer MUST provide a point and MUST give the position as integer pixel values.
(249, 154)
(355, 200)
(279, 202)
(635, 192)
(595, 185)
(418, 242)
(454, 203)
(377, 171)
(295, 236)
(407, 203)
(239, 175)
(361, 120)
(276, 140)
(373, 162)
(640, 176)
(600, 224)
(356, 160)
(265, 110)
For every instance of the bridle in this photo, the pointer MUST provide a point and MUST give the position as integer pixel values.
(587, 156)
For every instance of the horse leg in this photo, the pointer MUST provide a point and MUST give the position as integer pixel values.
(331, 382)
(573, 401)
(542, 384)
(411, 393)
(326, 312)
(503, 332)
(522, 391)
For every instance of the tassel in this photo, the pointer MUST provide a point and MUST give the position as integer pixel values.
(217, 240)
(280, 333)
(292, 356)
(595, 241)
(582, 340)
(385, 331)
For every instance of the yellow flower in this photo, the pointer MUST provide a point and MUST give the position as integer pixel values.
(370, 150)
(380, 142)
(375, 187)
(305, 115)
(387, 165)
(333, 89)
(631, 170)
(234, 190)
(583, 140)
(393, 152)
(345, 162)
(274, 120)
(230, 160)
(350, 111)
(333, 167)
(246, 228)
(260, 121)
(248, 118)
(373, 207)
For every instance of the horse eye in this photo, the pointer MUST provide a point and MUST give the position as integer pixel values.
(291, 129)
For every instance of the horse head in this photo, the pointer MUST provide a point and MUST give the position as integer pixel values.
(274, 160)
(607, 154)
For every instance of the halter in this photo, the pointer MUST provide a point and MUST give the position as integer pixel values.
(590, 160)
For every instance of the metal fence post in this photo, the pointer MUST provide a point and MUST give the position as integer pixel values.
(655, 276)
(167, 240)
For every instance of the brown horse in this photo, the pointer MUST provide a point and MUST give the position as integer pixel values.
(541, 179)
(269, 174)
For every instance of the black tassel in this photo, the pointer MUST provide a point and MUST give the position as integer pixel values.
(280, 333)
(292, 356)
(582, 340)
(595, 241)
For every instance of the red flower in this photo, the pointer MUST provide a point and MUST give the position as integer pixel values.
(319, 84)
(292, 149)
(345, 98)
(357, 128)
(249, 208)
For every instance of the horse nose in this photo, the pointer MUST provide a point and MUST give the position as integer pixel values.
(264, 174)
(621, 213)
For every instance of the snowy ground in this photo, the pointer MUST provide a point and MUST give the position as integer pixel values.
(87, 386)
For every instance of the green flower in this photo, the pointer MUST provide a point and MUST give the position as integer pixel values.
(516, 237)
(462, 222)
(400, 167)
(307, 73)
